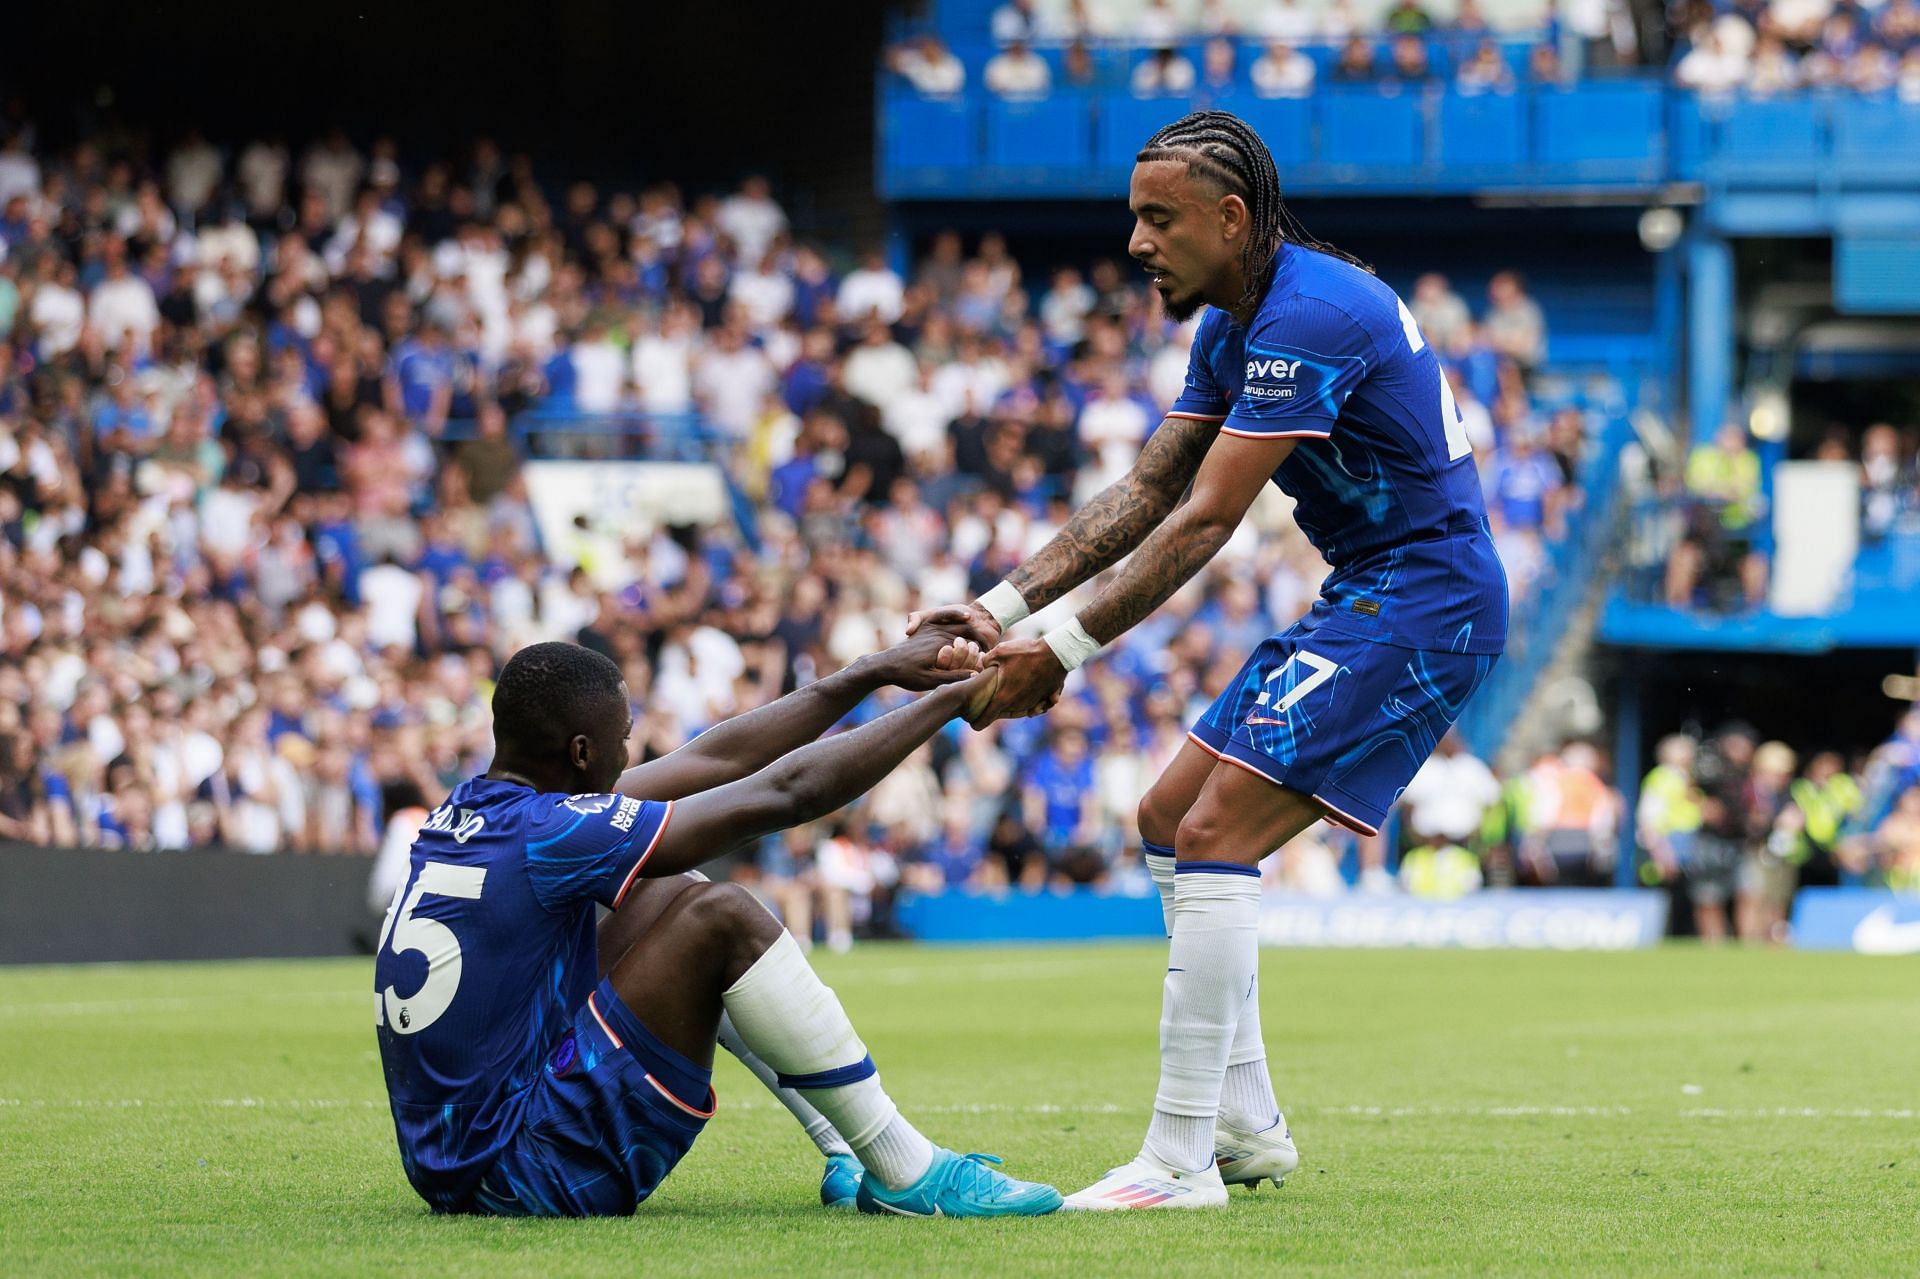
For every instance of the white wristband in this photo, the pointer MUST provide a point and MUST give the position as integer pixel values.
(1072, 645)
(1006, 604)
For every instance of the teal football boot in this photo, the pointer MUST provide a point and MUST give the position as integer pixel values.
(840, 1184)
(960, 1186)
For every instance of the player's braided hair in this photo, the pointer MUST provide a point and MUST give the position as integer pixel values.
(1226, 150)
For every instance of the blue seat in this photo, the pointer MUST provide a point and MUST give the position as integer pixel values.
(1053, 134)
(929, 133)
(1126, 122)
(1874, 139)
(1482, 130)
(1368, 129)
(1285, 125)
(1689, 134)
(1773, 134)
(1602, 129)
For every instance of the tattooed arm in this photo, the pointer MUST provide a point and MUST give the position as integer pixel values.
(1233, 476)
(1236, 469)
(1099, 533)
(1115, 521)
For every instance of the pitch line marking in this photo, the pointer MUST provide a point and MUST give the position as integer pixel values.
(1034, 1108)
(175, 1003)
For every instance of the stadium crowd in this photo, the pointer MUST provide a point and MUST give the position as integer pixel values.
(1717, 503)
(1275, 48)
(265, 534)
(1764, 48)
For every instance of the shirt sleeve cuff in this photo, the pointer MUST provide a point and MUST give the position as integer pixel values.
(1286, 428)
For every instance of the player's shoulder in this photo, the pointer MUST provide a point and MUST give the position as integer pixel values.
(1213, 330)
(1335, 301)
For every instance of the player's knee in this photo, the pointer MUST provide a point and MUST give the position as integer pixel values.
(1160, 815)
(729, 913)
(1209, 833)
(1199, 833)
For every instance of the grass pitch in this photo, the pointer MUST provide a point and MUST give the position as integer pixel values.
(1664, 1112)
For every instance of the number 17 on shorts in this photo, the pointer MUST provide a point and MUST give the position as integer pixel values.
(1344, 719)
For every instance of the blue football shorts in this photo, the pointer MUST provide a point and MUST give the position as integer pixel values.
(611, 1114)
(1343, 719)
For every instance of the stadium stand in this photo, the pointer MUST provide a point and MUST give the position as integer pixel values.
(268, 424)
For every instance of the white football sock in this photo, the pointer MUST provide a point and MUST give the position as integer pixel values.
(1160, 861)
(819, 1128)
(794, 1023)
(1211, 963)
(1246, 1095)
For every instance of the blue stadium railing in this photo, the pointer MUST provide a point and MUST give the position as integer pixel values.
(1536, 624)
(1621, 134)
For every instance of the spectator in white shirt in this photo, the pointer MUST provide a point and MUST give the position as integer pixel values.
(873, 290)
(58, 312)
(930, 67)
(1287, 20)
(193, 173)
(765, 293)
(1475, 421)
(752, 219)
(332, 169)
(732, 379)
(917, 419)
(1064, 310)
(1440, 312)
(122, 307)
(1515, 326)
(1164, 72)
(229, 240)
(378, 228)
(1450, 795)
(880, 370)
(1112, 426)
(262, 172)
(1337, 21)
(1774, 69)
(393, 596)
(663, 363)
(1283, 72)
(1018, 72)
(19, 171)
(599, 372)
(1158, 26)
(1710, 67)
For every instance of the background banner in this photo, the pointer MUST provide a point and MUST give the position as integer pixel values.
(1870, 921)
(1543, 919)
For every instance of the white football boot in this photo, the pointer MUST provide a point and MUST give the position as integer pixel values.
(1146, 1184)
(1248, 1158)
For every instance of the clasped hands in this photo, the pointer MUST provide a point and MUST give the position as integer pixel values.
(1030, 676)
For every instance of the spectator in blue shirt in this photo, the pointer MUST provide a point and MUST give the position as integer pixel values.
(953, 859)
(1526, 484)
(1057, 792)
(420, 379)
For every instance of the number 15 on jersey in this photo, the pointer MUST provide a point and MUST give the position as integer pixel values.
(411, 1014)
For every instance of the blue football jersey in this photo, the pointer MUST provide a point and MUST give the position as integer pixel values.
(1383, 479)
(486, 956)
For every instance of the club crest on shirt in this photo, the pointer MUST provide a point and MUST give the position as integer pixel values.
(588, 805)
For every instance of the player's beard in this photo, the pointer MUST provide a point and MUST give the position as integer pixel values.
(1180, 308)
